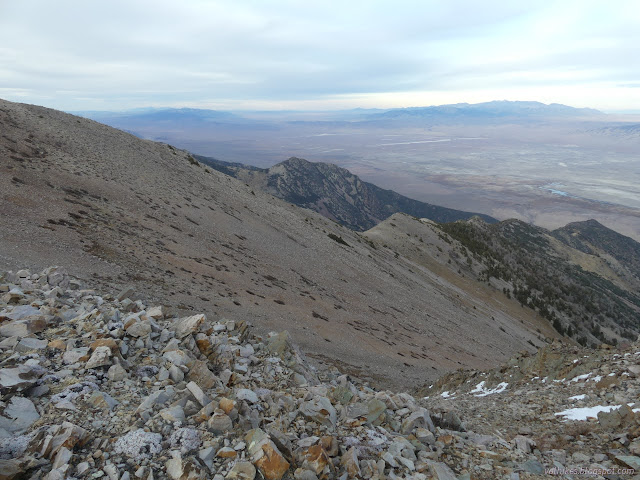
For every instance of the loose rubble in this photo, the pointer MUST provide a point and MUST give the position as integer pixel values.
(565, 409)
(97, 386)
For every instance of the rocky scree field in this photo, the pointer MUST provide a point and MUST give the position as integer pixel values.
(96, 385)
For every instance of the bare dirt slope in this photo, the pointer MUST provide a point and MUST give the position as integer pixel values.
(122, 211)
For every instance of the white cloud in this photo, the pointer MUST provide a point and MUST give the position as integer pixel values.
(121, 54)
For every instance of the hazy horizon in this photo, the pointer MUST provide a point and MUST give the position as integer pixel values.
(248, 109)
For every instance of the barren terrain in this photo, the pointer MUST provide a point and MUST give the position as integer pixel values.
(122, 211)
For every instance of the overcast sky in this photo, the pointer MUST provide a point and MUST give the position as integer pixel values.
(277, 54)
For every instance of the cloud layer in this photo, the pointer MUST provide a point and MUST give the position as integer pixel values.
(75, 54)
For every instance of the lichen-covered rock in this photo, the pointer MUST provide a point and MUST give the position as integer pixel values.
(185, 439)
(139, 444)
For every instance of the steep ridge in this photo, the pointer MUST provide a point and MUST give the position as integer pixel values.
(588, 295)
(336, 193)
(120, 210)
(593, 238)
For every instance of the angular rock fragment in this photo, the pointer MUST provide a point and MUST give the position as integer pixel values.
(200, 374)
(99, 358)
(19, 414)
(17, 379)
(320, 410)
(265, 455)
(220, 423)
(188, 325)
(242, 471)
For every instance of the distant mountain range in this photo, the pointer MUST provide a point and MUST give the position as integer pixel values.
(497, 108)
(148, 118)
(627, 131)
(170, 118)
(336, 193)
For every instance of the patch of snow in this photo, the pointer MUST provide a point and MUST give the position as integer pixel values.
(479, 387)
(483, 392)
(597, 378)
(585, 412)
(447, 394)
(577, 397)
(580, 377)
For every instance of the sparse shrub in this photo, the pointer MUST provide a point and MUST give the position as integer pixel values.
(337, 238)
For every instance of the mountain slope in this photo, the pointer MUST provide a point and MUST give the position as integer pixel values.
(336, 193)
(583, 295)
(594, 238)
(124, 211)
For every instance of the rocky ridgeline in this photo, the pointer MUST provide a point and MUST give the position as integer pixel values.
(95, 386)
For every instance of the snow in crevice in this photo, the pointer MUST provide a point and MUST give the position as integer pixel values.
(577, 397)
(481, 391)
